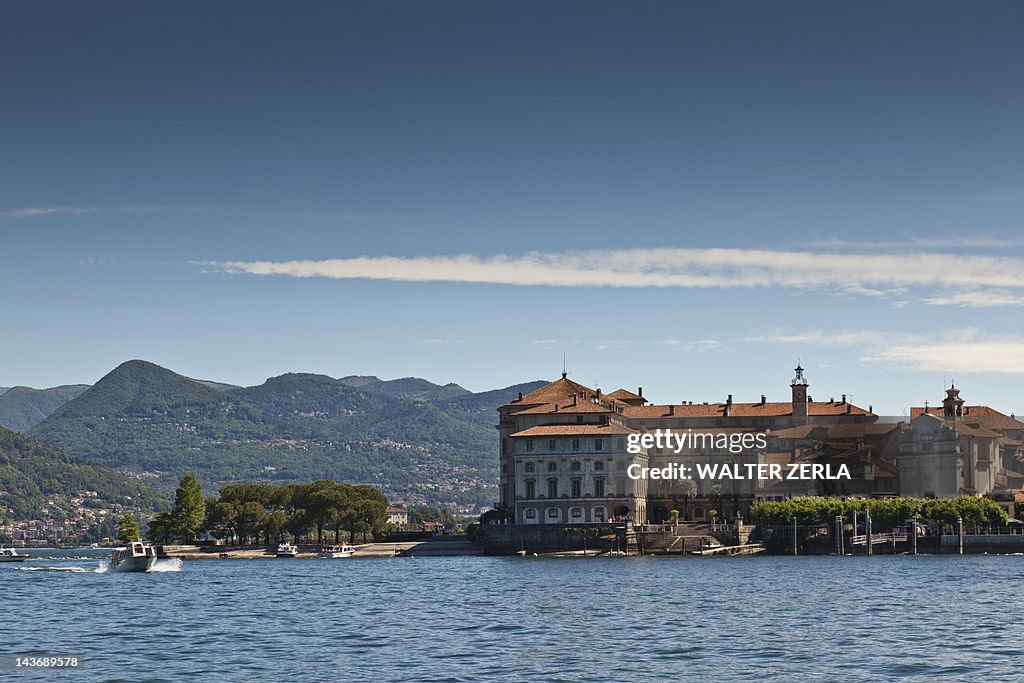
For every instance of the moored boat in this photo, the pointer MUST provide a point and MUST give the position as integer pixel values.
(12, 555)
(287, 550)
(333, 552)
(135, 557)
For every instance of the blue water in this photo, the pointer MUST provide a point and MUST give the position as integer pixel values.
(523, 619)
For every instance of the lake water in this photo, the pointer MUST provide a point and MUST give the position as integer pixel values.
(522, 619)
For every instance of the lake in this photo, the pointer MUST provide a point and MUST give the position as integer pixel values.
(521, 619)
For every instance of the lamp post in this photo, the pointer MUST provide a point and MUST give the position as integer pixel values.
(960, 532)
(794, 536)
(839, 535)
(913, 531)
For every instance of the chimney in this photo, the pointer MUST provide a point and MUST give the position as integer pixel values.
(849, 409)
(671, 410)
(520, 396)
(556, 407)
(871, 408)
(764, 399)
(725, 409)
(728, 401)
(640, 392)
(844, 398)
(598, 394)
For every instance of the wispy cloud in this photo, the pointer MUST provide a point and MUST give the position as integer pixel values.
(607, 344)
(851, 274)
(910, 242)
(980, 298)
(965, 349)
(691, 345)
(822, 338)
(129, 210)
(97, 261)
(35, 211)
(980, 356)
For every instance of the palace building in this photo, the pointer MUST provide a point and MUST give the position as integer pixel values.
(564, 458)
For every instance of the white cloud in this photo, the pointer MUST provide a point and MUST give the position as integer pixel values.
(979, 298)
(989, 357)
(861, 274)
(965, 349)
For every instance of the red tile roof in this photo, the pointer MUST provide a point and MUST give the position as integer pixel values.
(575, 430)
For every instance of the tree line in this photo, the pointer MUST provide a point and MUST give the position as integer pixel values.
(885, 512)
(254, 513)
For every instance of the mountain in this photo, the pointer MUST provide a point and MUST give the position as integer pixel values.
(217, 386)
(482, 409)
(40, 482)
(3, 390)
(296, 427)
(408, 388)
(22, 407)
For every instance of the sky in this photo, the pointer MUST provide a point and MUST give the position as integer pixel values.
(687, 197)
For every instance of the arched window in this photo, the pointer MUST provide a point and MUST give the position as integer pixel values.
(552, 516)
(576, 514)
(597, 514)
(530, 516)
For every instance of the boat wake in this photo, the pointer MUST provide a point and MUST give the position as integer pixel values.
(171, 564)
(71, 570)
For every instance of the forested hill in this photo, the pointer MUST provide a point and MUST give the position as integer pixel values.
(417, 441)
(40, 482)
(23, 407)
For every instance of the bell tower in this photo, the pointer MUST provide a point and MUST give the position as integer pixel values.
(799, 389)
(952, 405)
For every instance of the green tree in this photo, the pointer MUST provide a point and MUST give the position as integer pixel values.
(189, 511)
(127, 529)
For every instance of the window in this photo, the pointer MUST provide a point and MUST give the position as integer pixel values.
(576, 514)
(575, 444)
(598, 514)
(530, 467)
(599, 488)
(504, 446)
(577, 488)
(599, 466)
(552, 513)
(598, 444)
(529, 445)
(531, 514)
(620, 444)
(551, 444)
(552, 466)
(552, 488)
(579, 418)
(576, 466)
(531, 488)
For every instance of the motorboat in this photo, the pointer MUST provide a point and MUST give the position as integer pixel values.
(287, 550)
(333, 552)
(135, 557)
(12, 555)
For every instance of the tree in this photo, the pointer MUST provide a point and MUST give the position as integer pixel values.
(127, 529)
(685, 488)
(189, 511)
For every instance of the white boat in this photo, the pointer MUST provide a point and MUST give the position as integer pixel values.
(287, 550)
(136, 557)
(333, 552)
(12, 555)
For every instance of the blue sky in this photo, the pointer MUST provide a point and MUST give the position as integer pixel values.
(682, 196)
